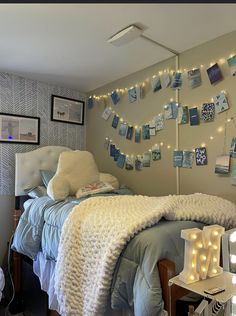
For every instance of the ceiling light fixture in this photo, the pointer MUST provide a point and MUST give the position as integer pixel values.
(131, 33)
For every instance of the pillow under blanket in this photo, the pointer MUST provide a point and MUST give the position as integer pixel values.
(75, 169)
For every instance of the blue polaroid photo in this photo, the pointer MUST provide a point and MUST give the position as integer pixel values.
(193, 116)
(123, 129)
(194, 78)
(183, 115)
(129, 163)
(171, 110)
(115, 121)
(129, 134)
(176, 82)
(177, 158)
(137, 135)
(132, 95)
(115, 97)
(214, 74)
(121, 161)
(156, 84)
(146, 131)
(138, 163)
(232, 65)
(146, 159)
(166, 80)
(112, 150)
(233, 148)
(222, 164)
(188, 157)
(116, 154)
(159, 119)
(156, 154)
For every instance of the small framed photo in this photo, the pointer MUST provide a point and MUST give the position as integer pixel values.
(67, 110)
(19, 129)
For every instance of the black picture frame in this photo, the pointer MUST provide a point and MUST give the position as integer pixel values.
(63, 109)
(20, 129)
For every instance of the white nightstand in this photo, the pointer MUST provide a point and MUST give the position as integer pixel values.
(225, 280)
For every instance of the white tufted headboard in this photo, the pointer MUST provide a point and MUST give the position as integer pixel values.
(28, 165)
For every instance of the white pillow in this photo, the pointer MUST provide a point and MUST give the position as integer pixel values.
(75, 169)
(93, 188)
(109, 178)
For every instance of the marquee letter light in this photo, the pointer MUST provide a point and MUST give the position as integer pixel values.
(202, 253)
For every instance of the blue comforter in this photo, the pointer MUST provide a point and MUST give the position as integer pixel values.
(136, 281)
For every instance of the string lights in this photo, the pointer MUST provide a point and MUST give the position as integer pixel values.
(171, 100)
(184, 71)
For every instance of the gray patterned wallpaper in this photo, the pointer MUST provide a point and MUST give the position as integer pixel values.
(22, 96)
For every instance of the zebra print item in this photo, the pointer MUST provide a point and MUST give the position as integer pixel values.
(23, 96)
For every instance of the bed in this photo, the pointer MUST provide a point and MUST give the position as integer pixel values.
(131, 283)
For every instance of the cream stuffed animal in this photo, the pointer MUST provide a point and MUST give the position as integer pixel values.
(75, 169)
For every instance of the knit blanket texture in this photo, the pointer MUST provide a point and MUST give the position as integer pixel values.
(97, 230)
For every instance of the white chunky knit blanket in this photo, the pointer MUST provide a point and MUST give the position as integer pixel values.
(96, 231)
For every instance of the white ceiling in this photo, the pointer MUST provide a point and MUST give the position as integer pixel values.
(66, 43)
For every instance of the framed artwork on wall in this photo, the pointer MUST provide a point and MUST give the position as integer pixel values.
(67, 110)
(19, 129)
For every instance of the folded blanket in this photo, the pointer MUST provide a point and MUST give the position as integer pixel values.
(96, 231)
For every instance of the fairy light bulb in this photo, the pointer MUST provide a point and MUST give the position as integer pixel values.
(203, 269)
(168, 146)
(232, 237)
(214, 270)
(203, 257)
(191, 277)
(200, 245)
(233, 259)
(154, 76)
(211, 137)
(193, 265)
(215, 233)
(161, 143)
(234, 299)
(194, 252)
(215, 247)
(203, 144)
(220, 129)
(214, 259)
(210, 244)
(194, 236)
(234, 279)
